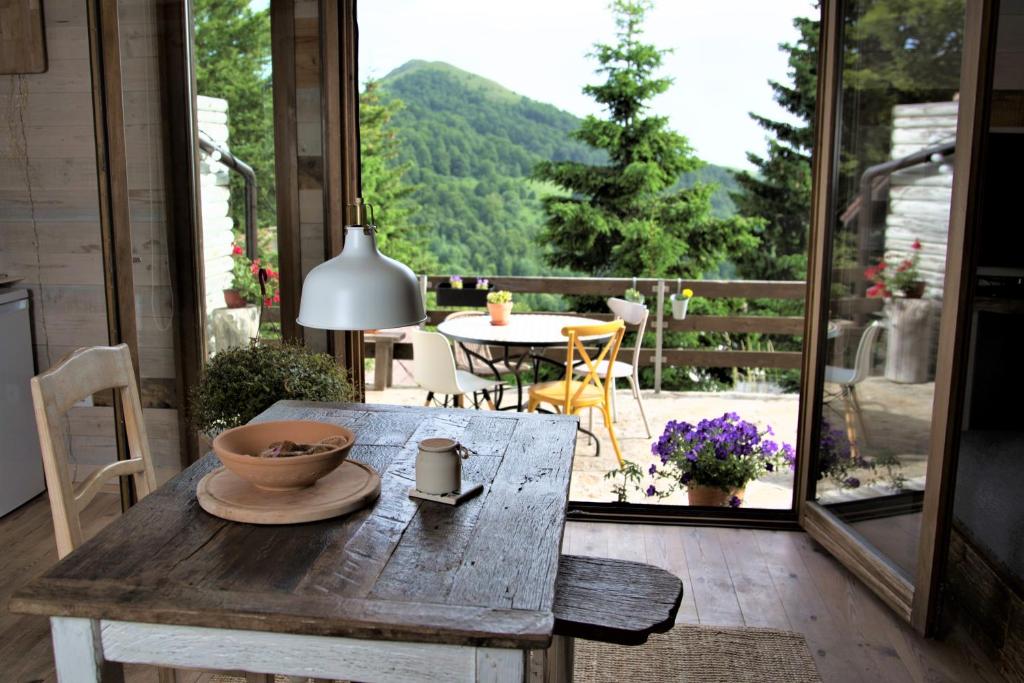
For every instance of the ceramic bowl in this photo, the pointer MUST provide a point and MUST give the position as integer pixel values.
(237, 448)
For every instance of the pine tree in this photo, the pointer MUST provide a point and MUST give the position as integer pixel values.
(621, 217)
(233, 62)
(383, 184)
(780, 192)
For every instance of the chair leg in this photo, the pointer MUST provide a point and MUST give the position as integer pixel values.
(459, 400)
(430, 397)
(611, 432)
(531, 407)
(590, 425)
(849, 417)
(487, 398)
(615, 410)
(860, 415)
(634, 385)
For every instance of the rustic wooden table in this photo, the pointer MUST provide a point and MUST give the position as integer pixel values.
(405, 590)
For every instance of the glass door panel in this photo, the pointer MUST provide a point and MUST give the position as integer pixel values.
(895, 144)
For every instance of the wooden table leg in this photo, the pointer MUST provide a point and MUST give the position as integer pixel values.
(78, 652)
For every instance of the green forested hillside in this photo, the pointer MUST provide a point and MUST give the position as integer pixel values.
(471, 145)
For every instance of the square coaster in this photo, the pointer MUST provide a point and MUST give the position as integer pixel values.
(469, 490)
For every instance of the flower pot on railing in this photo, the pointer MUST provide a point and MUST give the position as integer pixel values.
(467, 295)
(680, 301)
(233, 299)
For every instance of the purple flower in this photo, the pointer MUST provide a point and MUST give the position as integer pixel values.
(851, 482)
(686, 478)
(653, 470)
(735, 502)
(770, 467)
(651, 491)
(769, 447)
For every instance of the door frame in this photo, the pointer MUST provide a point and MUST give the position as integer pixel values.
(915, 600)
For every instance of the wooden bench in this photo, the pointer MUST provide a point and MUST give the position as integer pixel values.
(614, 601)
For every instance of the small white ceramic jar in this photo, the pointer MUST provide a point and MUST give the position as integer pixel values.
(439, 466)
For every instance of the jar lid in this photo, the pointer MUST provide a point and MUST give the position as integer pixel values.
(438, 444)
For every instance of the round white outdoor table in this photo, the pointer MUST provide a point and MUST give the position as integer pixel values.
(527, 331)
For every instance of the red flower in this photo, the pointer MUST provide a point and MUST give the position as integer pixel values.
(277, 297)
(878, 291)
(267, 302)
(870, 272)
(881, 266)
(916, 244)
(236, 250)
(905, 265)
(255, 267)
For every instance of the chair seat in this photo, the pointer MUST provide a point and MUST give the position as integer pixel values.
(619, 369)
(470, 383)
(554, 393)
(837, 375)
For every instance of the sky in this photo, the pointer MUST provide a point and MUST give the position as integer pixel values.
(725, 52)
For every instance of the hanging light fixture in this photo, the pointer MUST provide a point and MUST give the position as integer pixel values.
(360, 288)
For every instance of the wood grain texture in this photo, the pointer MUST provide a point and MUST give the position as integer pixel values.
(356, 576)
(614, 601)
(22, 42)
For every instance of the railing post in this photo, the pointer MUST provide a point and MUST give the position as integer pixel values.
(423, 289)
(659, 336)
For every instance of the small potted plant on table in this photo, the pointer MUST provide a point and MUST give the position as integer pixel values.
(499, 305)
(716, 459)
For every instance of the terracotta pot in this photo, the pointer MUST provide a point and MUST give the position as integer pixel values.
(712, 496)
(500, 313)
(232, 299)
(238, 449)
(915, 290)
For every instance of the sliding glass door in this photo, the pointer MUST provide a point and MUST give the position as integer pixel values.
(901, 82)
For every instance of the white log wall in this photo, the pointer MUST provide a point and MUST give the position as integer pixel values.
(919, 196)
(214, 179)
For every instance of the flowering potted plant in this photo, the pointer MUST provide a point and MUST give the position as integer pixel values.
(900, 279)
(680, 302)
(716, 459)
(499, 305)
(245, 284)
(463, 292)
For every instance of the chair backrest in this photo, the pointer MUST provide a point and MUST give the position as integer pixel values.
(433, 365)
(865, 349)
(577, 355)
(80, 375)
(632, 313)
(462, 359)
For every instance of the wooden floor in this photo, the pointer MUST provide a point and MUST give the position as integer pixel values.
(731, 577)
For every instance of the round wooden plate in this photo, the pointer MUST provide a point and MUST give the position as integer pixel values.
(349, 488)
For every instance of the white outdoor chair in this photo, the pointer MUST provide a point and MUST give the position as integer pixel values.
(849, 378)
(632, 314)
(434, 369)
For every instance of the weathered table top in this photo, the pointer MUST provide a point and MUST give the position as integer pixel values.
(482, 573)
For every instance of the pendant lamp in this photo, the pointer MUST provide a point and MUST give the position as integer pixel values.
(360, 288)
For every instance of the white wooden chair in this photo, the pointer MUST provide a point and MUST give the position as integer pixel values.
(632, 314)
(434, 369)
(849, 378)
(81, 374)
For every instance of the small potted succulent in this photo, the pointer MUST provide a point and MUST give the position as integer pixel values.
(499, 305)
(716, 459)
(633, 295)
(897, 279)
(463, 292)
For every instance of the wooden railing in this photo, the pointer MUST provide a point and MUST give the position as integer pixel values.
(657, 292)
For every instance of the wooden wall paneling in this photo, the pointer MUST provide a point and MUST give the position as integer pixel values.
(115, 223)
(184, 220)
(976, 75)
(285, 75)
(22, 39)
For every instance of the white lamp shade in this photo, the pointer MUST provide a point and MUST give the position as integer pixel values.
(360, 289)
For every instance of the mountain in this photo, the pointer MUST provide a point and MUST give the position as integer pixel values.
(471, 144)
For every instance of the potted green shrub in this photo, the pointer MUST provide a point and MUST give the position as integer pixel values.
(716, 459)
(245, 284)
(240, 383)
(633, 295)
(499, 305)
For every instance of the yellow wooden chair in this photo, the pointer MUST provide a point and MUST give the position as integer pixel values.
(571, 396)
